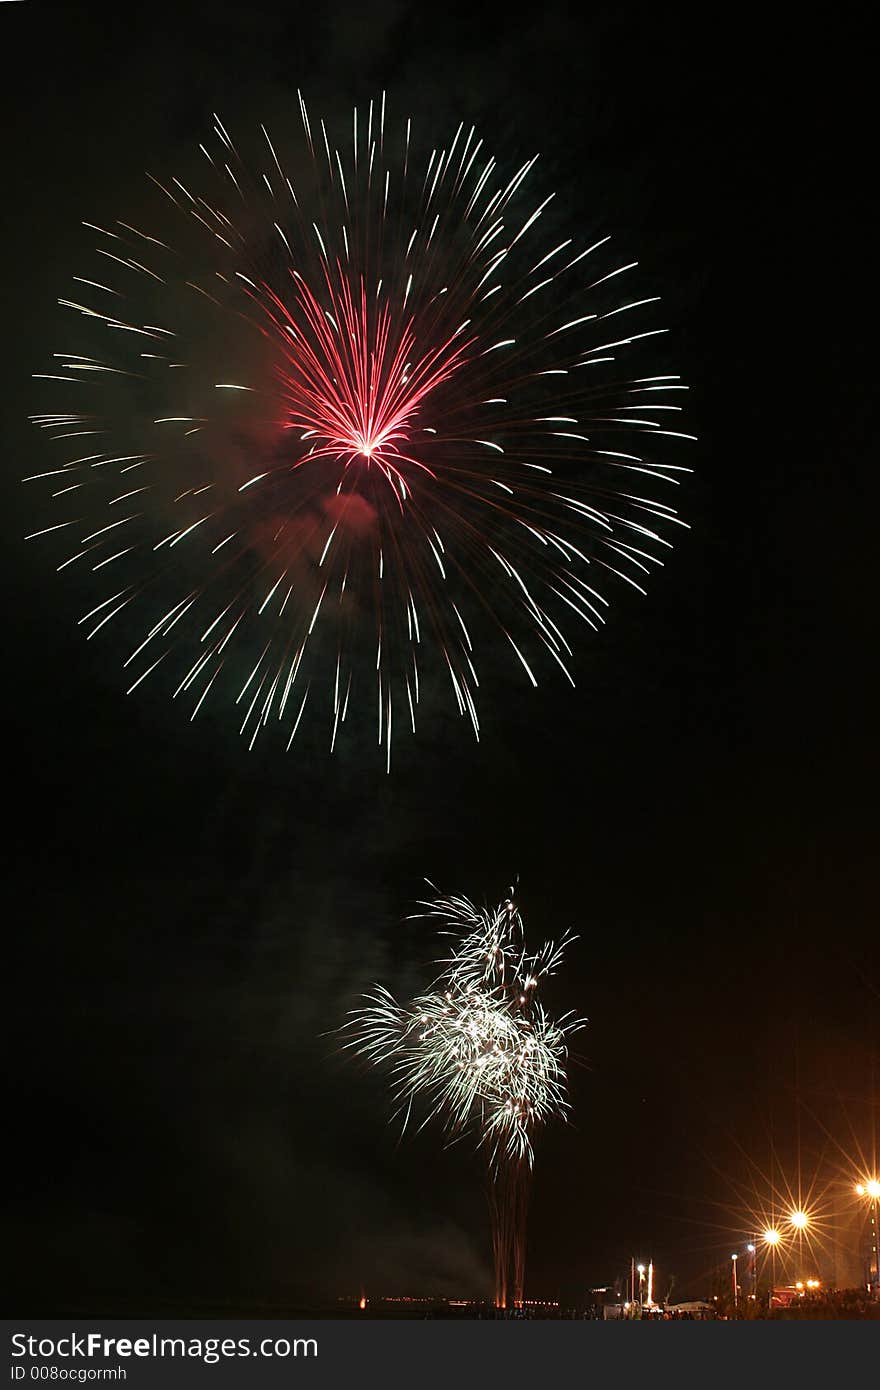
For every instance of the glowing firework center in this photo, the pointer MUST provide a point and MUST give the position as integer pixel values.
(351, 389)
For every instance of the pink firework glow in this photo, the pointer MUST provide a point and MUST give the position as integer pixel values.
(349, 388)
(336, 428)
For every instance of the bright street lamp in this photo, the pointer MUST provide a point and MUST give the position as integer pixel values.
(770, 1238)
(870, 1189)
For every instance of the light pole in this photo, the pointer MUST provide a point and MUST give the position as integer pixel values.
(799, 1220)
(771, 1238)
(641, 1271)
(753, 1253)
(870, 1190)
(733, 1260)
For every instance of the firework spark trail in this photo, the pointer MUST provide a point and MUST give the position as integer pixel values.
(326, 430)
(479, 1054)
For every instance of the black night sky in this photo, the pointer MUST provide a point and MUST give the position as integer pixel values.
(186, 922)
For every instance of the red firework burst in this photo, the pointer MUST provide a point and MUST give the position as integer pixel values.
(336, 430)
